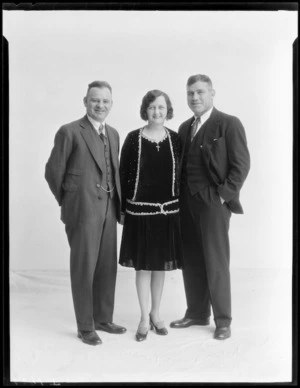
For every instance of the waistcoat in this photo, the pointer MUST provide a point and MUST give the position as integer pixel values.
(194, 171)
(108, 176)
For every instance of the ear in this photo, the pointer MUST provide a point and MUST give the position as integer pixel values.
(84, 101)
(213, 92)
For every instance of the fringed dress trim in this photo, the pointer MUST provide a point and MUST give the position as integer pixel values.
(139, 162)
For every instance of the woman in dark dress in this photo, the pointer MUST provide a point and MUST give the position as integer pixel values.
(151, 240)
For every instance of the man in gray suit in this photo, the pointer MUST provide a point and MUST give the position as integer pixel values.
(83, 174)
(214, 164)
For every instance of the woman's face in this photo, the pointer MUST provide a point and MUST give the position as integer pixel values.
(157, 111)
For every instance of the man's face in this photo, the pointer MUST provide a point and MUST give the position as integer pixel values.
(200, 97)
(98, 103)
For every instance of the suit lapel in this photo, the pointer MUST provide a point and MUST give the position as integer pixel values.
(212, 125)
(114, 155)
(90, 137)
(184, 136)
(211, 129)
(113, 147)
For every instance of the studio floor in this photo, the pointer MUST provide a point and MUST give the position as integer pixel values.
(44, 346)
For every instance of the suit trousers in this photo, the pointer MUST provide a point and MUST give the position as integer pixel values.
(206, 275)
(93, 266)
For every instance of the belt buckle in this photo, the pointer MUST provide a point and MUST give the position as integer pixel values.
(161, 205)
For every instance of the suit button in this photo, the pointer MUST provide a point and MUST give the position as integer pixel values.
(97, 185)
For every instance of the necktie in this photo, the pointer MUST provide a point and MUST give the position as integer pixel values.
(194, 127)
(101, 134)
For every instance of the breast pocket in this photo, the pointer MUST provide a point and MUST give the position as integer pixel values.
(218, 143)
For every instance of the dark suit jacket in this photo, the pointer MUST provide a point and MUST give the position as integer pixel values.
(225, 154)
(74, 171)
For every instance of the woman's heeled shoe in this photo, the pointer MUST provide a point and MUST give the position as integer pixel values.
(158, 327)
(141, 333)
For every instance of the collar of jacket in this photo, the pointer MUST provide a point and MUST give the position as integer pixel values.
(89, 135)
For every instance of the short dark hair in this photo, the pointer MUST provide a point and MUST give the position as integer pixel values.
(150, 97)
(99, 84)
(199, 77)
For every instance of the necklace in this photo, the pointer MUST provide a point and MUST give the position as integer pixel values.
(155, 141)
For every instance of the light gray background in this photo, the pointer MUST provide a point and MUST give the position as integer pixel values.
(53, 57)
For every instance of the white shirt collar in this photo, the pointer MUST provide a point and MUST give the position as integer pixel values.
(96, 124)
(205, 115)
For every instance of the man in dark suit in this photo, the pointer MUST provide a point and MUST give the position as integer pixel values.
(83, 174)
(215, 162)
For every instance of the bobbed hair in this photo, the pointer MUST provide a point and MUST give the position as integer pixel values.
(152, 96)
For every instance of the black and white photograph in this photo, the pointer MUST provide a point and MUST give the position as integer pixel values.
(150, 178)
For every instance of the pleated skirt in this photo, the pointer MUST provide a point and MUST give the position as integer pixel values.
(151, 242)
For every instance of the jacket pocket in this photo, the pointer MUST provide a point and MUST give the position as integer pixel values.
(218, 142)
(70, 182)
(74, 171)
(69, 186)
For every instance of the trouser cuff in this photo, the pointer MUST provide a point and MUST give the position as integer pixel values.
(223, 322)
(194, 315)
(89, 327)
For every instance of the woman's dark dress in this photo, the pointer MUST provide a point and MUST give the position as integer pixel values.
(153, 242)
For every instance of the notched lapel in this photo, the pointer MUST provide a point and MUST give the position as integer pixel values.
(210, 134)
(214, 148)
(211, 130)
(89, 136)
(187, 127)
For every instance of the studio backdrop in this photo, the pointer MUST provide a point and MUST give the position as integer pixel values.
(53, 56)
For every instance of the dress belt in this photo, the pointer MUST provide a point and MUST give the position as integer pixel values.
(148, 208)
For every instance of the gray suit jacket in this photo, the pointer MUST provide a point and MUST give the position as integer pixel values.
(74, 171)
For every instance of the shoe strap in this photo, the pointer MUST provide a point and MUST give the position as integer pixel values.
(142, 329)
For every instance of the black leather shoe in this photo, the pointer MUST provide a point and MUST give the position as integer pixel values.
(110, 328)
(158, 327)
(221, 333)
(89, 337)
(141, 333)
(187, 322)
